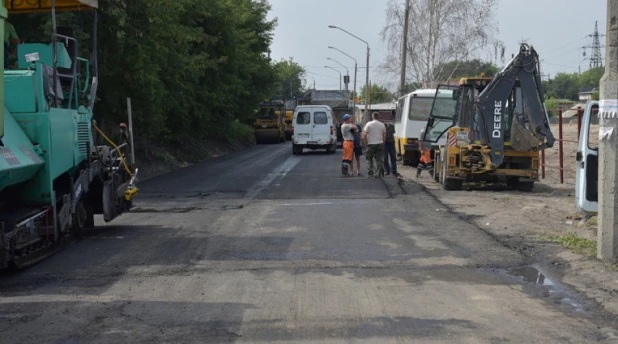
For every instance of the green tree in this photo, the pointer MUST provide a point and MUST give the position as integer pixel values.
(191, 68)
(563, 86)
(591, 78)
(378, 94)
(454, 70)
(289, 77)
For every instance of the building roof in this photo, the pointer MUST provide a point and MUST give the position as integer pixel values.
(380, 106)
(587, 90)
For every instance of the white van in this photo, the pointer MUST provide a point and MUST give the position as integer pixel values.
(587, 178)
(313, 127)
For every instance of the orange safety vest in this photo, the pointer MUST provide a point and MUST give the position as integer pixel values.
(425, 155)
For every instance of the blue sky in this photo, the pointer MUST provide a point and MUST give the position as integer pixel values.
(556, 28)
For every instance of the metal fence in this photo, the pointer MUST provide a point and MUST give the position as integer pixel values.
(562, 140)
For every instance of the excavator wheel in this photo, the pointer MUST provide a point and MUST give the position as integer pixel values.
(517, 184)
(525, 186)
(448, 183)
(453, 184)
(437, 166)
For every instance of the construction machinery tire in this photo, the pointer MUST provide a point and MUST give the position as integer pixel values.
(437, 167)
(442, 169)
(525, 186)
(263, 137)
(452, 184)
(517, 184)
(296, 149)
(82, 218)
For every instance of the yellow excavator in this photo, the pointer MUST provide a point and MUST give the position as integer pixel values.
(494, 127)
(269, 122)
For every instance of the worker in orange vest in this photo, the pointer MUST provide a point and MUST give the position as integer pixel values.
(425, 162)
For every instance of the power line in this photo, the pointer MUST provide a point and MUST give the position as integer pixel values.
(559, 65)
(326, 76)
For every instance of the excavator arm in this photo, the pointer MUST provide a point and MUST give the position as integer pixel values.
(492, 101)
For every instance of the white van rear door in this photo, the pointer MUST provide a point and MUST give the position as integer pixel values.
(321, 127)
(587, 171)
(302, 126)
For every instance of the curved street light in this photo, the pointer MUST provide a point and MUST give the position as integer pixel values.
(355, 70)
(339, 63)
(337, 72)
(367, 75)
(346, 69)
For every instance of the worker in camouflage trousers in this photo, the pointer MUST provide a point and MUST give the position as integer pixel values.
(374, 134)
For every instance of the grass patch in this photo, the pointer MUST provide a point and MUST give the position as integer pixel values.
(613, 267)
(576, 244)
(593, 221)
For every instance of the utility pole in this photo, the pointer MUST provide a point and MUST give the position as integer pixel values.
(404, 48)
(607, 238)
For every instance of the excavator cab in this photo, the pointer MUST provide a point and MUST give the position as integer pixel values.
(442, 115)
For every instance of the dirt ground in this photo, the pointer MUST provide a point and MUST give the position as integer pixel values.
(533, 222)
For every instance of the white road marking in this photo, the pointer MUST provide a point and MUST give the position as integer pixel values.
(280, 171)
(320, 203)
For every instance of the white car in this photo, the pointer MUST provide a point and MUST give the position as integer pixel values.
(313, 127)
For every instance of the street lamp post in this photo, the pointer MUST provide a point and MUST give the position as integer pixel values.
(367, 75)
(346, 69)
(355, 70)
(337, 72)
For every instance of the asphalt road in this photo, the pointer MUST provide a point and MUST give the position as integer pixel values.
(266, 246)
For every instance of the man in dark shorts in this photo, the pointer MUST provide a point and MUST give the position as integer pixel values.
(358, 148)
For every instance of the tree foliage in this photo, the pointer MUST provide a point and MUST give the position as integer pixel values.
(290, 77)
(377, 94)
(470, 68)
(439, 31)
(190, 67)
(568, 85)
